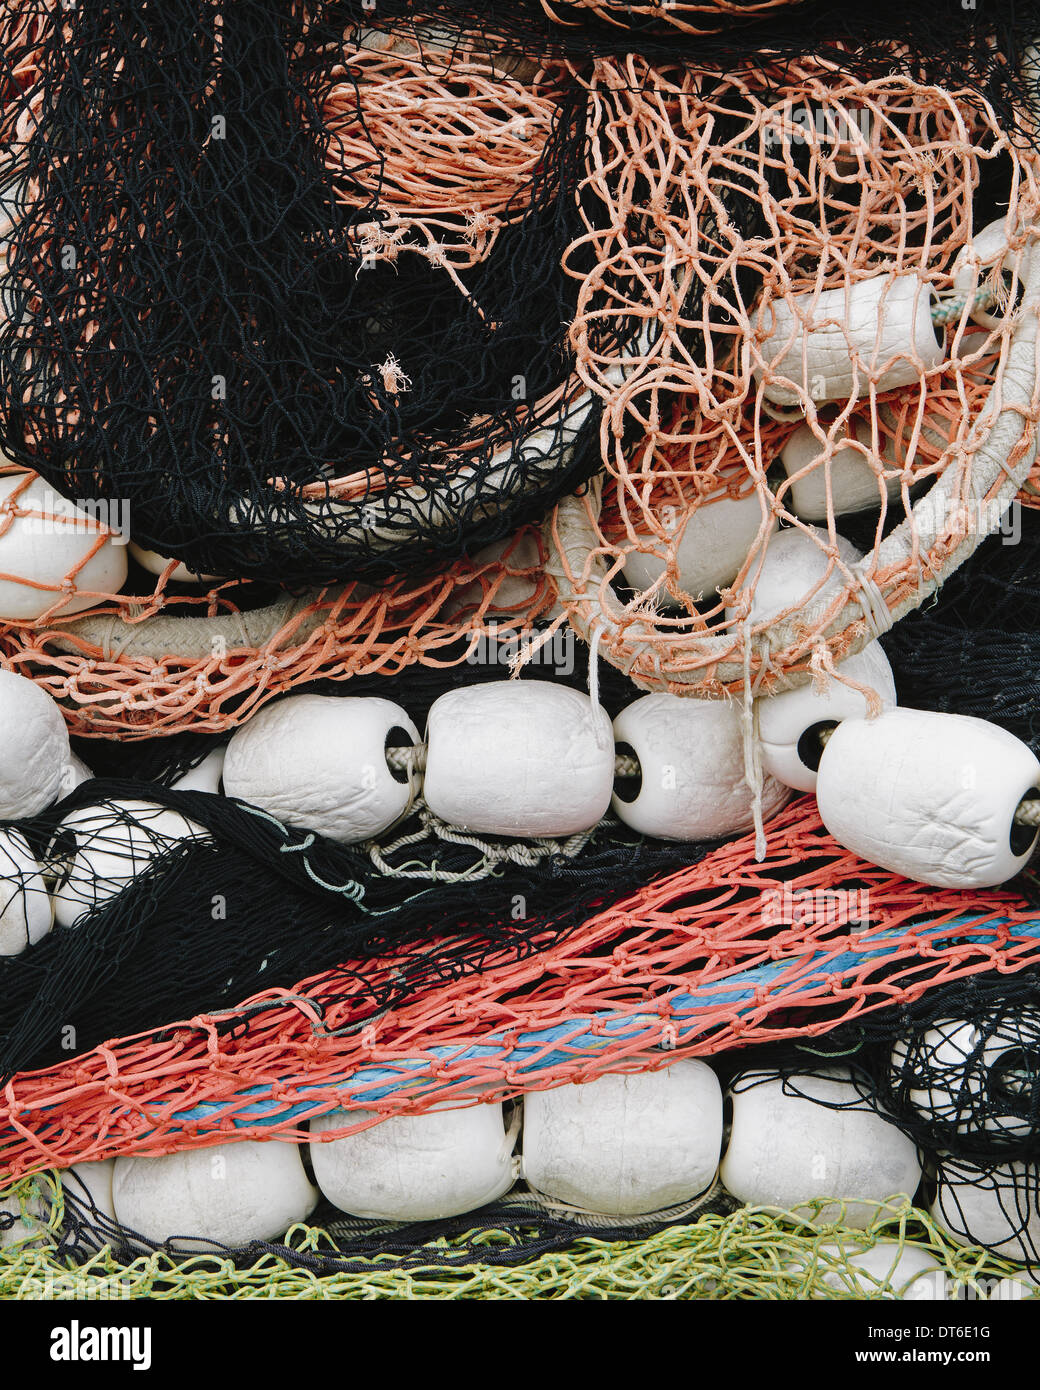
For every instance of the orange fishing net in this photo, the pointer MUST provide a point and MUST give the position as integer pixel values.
(689, 16)
(172, 656)
(775, 301)
(721, 955)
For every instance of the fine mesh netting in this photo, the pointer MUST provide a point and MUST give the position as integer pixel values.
(240, 305)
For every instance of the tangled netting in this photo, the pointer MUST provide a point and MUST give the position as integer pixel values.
(976, 649)
(315, 347)
(958, 1071)
(255, 296)
(784, 246)
(721, 955)
(508, 1251)
(182, 901)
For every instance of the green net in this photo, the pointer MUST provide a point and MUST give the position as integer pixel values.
(751, 1253)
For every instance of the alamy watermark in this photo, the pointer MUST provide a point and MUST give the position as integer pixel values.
(815, 907)
(504, 646)
(56, 516)
(819, 125)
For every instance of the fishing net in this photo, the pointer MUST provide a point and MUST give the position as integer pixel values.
(170, 657)
(220, 316)
(510, 1251)
(786, 244)
(664, 214)
(717, 956)
(975, 649)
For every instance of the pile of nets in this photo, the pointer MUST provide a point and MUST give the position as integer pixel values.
(702, 961)
(373, 332)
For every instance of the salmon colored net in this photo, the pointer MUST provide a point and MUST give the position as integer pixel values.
(687, 16)
(722, 955)
(167, 657)
(460, 130)
(773, 304)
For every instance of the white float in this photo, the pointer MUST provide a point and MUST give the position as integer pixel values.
(228, 1195)
(986, 259)
(785, 1150)
(887, 1269)
(930, 796)
(716, 538)
(692, 773)
(26, 909)
(962, 1063)
(44, 549)
(855, 485)
(998, 1208)
(154, 563)
(112, 844)
(518, 758)
(414, 1167)
(787, 718)
(624, 1145)
(794, 574)
(36, 748)
(833, 344)
(318, 762)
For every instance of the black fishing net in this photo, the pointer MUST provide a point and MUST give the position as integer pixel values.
(975, 649)
(511, 1231)
(285, 346)
(203, 320)
(172, 903)
(958, 1071)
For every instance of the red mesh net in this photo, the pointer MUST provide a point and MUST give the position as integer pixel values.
(722, 955)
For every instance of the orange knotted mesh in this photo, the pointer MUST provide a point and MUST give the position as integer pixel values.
(724, 954)
(445, 130)
(749, 242)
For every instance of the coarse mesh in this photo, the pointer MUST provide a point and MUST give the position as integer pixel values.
(719, 956)
(177, 902)
(908, 129)
(507, 1251)
(739, 212)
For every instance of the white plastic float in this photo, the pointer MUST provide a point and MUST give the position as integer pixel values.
(625, 1145)
(691, 767)
(38, 553)
(227, 1195)
(103, 848)
(930, 796)
(997, 1208)
(788, 721)
(826, 345)
(36, 750)
(415, 1167)
(786, 1150)
(855, 484)
(519, 758)
(715, 541)
(26, 909)
(319, 762)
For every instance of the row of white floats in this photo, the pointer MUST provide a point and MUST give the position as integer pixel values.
(621, 1146)
(931, 796)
